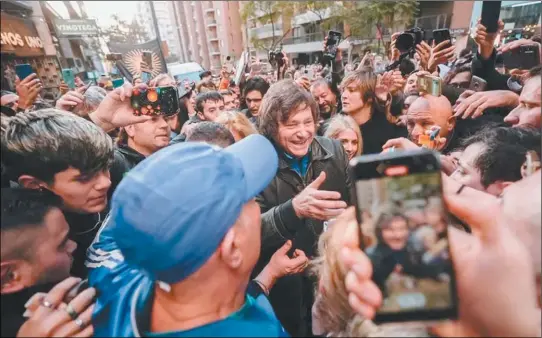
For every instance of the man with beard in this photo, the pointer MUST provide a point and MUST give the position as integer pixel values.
(312, 186)
(326, 97)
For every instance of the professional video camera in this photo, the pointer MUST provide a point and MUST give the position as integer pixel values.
(408, 40)
(406, 44)
(276, 57)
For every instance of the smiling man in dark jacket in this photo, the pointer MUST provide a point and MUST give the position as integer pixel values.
(312, 186)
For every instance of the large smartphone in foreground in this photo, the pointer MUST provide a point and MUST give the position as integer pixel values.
(404, 232)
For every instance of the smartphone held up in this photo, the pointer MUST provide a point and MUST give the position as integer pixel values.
(155, 101)
(403, 227)
(332, 45)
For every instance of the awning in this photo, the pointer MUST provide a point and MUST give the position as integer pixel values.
(19, 36)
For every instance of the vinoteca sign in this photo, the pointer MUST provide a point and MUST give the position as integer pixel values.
(75, 28)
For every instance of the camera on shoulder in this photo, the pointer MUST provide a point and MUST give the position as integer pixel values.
(409, 39)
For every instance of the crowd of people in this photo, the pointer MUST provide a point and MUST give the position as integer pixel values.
(235, 216)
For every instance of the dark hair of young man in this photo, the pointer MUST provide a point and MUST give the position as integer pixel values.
(204, 74)
(504, 152)
(23, 208)
(256, 83)
(45, 142)
(212, 133)
(213, 96)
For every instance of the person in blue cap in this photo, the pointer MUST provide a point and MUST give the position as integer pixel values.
(175, 255)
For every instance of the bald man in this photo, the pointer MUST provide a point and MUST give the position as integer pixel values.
(428, 113)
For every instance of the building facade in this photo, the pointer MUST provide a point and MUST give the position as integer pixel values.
(26, 40)
(209, 31)
(167, 25)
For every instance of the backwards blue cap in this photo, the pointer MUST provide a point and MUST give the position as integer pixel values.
(170, 213)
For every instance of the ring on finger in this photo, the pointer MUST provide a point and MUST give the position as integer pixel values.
(81, 323)
(71, 312)
(47, 304)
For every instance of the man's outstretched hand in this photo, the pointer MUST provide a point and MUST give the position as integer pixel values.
(115, 111)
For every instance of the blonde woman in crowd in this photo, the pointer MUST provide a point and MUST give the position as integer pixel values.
(346, 130)
(237, 123)
(332, 315)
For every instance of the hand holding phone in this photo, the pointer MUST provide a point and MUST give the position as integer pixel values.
(430, 84)
(441, 35)
(69, 77)
(23, 71)
(155, 101)
(411, 265)
(332, 45)
(117, 82)
(491, 11)
(28, 90)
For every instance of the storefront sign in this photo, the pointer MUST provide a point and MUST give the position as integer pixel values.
(19, 36)
(75, 28)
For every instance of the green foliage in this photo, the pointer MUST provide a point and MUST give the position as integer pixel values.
(319, 8)
(364, 16)
(267, 12)
(123, 32)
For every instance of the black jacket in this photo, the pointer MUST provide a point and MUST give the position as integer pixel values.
(378, 130)
(124, 159)
(485, 69)
(291, 296)
(384, 261)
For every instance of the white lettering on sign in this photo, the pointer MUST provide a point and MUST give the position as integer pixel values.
(33, 42)
(9, 38)
(69, 28)
(13, 39)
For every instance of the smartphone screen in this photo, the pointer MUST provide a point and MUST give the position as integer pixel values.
(333, 39)
(117, 83)
(69, 77)
(440, 35)
(491, 11)
(155, 101)
(23, 71)
(404, 232)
